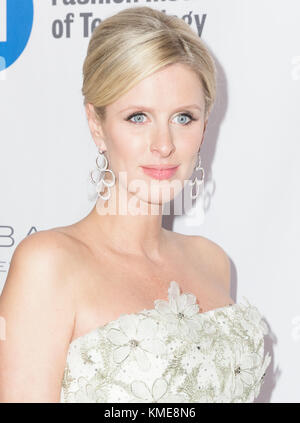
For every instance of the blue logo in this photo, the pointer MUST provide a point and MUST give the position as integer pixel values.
(16, 18)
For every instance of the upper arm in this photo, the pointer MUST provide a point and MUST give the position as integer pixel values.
(217, 262)
(37, 306)
(224, 267)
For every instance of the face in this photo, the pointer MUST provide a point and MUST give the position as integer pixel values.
(160, 121)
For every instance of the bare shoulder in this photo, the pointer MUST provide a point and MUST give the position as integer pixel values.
(52, 244)
(41, 263)
(211, 256)
(38, 305)
(48, 240)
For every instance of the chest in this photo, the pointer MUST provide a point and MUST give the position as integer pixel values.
(123, 285)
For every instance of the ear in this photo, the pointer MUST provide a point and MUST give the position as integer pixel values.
(95, 126)
(205, 123)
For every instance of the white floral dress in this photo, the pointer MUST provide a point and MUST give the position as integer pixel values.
(171, 353)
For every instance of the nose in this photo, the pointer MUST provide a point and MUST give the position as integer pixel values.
(162, 141)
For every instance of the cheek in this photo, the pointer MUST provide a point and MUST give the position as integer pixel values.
(127, 154)
(124, 147)
(129, 151)
(187, 149)
(188, 145)
(189, 137)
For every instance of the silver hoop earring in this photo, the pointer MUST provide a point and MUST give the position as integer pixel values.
(197, 181)
(98, 176)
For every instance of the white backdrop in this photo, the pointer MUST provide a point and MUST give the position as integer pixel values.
(250, 150)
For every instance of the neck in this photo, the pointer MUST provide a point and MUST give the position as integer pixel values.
(128, 225)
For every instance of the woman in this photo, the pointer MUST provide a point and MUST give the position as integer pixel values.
(114, 308)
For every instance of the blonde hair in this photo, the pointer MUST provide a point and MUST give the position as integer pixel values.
(130, 45)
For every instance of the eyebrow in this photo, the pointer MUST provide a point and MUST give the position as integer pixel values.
(189, 106)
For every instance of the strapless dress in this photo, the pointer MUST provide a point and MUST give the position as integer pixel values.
(171, 353)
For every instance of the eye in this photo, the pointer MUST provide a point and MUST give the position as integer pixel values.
(139, 120)
(135, 115)
(186, 115)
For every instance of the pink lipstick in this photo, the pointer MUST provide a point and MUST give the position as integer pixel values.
(160, 171)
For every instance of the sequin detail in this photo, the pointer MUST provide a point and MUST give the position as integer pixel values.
(171, 353)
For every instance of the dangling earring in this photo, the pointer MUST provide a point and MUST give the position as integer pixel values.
(99, 180)
(197, 181)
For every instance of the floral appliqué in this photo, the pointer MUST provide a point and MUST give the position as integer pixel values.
(180, 312)
(171, 353)
(135, 337)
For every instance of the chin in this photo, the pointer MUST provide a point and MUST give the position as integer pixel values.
(158, 197)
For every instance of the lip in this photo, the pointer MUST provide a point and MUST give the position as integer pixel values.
(159, 167)
(160, 172)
